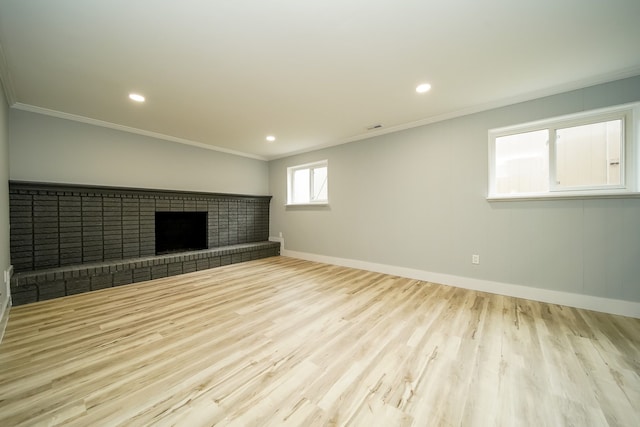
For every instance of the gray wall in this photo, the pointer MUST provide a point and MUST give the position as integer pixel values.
(49, 149)
(4, 203)
(416, 199)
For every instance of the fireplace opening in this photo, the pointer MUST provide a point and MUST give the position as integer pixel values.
(180, 231)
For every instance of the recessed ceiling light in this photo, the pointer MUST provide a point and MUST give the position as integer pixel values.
(424, 87)
(136, 97)
(271, 138)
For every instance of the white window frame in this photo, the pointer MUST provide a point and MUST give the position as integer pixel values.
(290, 183)
(629, 161)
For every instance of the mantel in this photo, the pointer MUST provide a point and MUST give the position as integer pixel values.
(56, 188)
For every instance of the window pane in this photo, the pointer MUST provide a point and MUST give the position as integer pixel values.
(319, 184)
(307, 183)
(589, 154)
(522, 162)
(300, 186)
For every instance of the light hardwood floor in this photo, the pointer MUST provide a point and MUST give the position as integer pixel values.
(281, 341)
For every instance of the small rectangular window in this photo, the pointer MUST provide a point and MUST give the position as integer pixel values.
(590, 153)
(308, 184)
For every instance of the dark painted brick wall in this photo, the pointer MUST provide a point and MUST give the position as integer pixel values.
(56, 225)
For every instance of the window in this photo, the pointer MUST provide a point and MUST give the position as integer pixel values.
(586, 154)
(307, 184)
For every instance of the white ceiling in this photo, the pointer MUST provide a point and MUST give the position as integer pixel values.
(226, 73)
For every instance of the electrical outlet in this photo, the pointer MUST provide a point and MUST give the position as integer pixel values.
(475, 259)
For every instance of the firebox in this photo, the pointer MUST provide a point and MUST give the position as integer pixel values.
(180, 231)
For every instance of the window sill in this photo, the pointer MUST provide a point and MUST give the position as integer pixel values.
(306, 205)
(565, 195)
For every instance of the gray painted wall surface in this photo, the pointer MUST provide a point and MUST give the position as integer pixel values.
(4, 199)
(416, 199)
(50, 149)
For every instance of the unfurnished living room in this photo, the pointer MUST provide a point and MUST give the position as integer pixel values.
(320, 213)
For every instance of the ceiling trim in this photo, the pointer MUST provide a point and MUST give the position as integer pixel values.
(631, 72)
(109, 125)
(576, 85)
(5, 79)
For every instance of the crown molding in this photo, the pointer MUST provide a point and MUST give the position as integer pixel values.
(529, 96)
(109, 125)
(504, 102)
(7, 84)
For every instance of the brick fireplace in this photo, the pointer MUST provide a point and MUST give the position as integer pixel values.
(68, 239)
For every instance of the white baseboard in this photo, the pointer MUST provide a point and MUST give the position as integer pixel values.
(6, 308)
(4, 318)
(588, 302)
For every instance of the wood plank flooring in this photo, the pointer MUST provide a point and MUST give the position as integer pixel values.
(285, 342)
